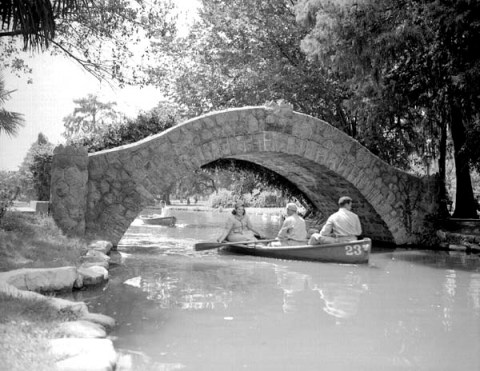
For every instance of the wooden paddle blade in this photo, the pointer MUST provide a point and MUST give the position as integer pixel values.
(214, 245)
(207, 245)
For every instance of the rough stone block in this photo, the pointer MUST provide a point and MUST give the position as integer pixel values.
(93, 275)
(42, 279)
(100, 245)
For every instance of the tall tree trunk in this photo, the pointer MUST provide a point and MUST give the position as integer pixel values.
(464, 200)
(442, 160)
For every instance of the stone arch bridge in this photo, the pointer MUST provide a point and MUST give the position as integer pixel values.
(99, 195)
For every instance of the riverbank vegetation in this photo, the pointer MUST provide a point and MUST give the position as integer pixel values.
(35, 241)
(26, 325)
(31, 241)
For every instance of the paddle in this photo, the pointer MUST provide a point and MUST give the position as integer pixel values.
(213, 245)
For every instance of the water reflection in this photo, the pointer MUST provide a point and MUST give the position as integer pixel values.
(439, 259)
(474, 292)
(181, 309)
(343, 299)
(213, 285)
(449, 289)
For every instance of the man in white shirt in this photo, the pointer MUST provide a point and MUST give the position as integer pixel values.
(293, 230)
(342, 226)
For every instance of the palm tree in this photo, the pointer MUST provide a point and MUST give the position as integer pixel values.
(35, 19)
(9, 121)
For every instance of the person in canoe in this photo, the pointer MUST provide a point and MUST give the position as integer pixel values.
(165, 209)
(293, 230)
(342, 226)
(238, 226)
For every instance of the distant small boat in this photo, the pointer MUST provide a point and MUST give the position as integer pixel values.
(355, 252)
(168, 221)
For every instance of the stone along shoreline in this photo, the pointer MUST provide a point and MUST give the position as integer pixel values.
(81, 344)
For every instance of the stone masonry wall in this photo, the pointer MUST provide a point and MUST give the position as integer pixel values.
(69, 189)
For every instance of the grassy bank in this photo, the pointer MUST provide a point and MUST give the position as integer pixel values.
(31, 241)
(34, 241)
(25, 327)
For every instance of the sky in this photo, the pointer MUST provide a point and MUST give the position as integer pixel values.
(57, 81)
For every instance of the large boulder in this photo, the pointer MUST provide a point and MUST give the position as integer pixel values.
(102, 246)
(41, 279)
(93, 275)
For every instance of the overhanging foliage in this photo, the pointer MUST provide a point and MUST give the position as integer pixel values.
(262, 178)
(35, 19)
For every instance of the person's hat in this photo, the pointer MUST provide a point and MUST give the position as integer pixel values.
(239, 203)
(344, 200)
(292, 206)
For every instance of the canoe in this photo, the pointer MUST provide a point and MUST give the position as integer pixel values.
(159, 220)
(356, 252)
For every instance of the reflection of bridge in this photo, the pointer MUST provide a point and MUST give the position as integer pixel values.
(102, 193)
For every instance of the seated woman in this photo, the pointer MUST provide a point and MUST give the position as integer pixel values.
(238, 226)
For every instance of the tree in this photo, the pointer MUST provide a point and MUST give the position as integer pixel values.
(416, 62)
(159, 119)
(35, 20)
(34, 172)
(162, 117)
(200, 182)
(90, 116)
(242, 53)
(9, 121)
(9, 191)
(244, 177)
(107, 38)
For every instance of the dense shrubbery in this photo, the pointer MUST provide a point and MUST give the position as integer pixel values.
(7, 195)
(223, 198)
(40, 169)
(133, 130)
(9, 190)
(259, 184)
(34, 174)
(227, 198)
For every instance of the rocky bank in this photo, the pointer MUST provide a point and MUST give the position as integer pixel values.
(81, 344)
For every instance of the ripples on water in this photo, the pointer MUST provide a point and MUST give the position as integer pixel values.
(181, 309)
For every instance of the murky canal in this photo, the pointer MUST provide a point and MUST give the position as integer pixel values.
(177, 309)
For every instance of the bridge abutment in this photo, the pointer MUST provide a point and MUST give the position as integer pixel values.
(69, 189)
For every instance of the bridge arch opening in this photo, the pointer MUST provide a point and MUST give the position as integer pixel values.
(322, 188)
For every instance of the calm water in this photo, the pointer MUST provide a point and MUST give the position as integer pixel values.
(177, 309)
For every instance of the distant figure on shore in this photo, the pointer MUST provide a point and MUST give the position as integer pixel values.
(238, 226)
(342, 226)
